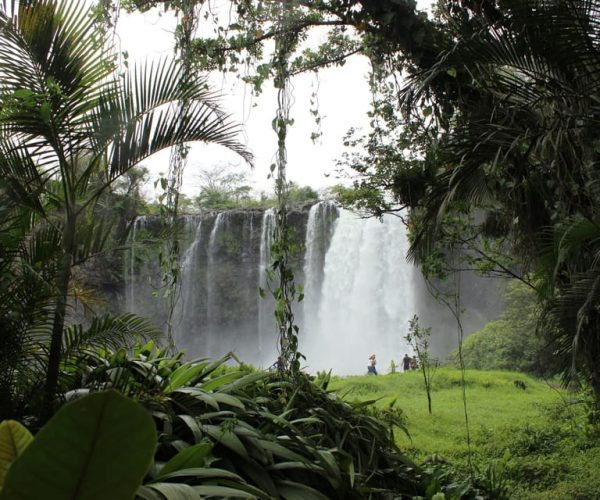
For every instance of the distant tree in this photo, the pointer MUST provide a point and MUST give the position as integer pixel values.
(222, 188)
(511, 341)
(301, 194)
(418, 338)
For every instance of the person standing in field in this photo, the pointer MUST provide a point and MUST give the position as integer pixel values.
(406, 362)
(371, 370)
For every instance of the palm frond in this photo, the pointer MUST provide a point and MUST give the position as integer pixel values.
(109, 332)
(153, 114)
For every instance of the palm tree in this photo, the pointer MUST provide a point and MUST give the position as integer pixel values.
(523, 80)
(67, 116)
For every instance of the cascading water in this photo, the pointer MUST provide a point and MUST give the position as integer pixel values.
(212, 282)
(138, 223)
(359, 290)
(131, 271)
(319, 231)
(366, 297)
(266, 319)
(191, 296)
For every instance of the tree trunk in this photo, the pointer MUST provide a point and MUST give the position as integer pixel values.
(595, 384)
(7, 406)
(60, 309)
(429, 399)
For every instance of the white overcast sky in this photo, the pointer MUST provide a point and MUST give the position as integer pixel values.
(343, 96)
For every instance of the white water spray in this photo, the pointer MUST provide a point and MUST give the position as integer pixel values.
(190, 295)
(319, 231)
(138, 223)
(366, 298)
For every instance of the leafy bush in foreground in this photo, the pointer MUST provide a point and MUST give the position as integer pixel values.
(235, 432)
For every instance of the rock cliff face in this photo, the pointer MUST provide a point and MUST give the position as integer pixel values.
(359, 290)
(224, 256)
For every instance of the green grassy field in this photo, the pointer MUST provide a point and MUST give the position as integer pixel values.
(555, 453)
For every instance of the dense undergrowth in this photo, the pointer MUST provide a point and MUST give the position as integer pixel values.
(532, 443)
(230, 431)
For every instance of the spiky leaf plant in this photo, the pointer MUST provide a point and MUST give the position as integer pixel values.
(236, 432)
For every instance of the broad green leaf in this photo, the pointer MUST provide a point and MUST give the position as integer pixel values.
(192, 424)
(330, 464)
(199, 394)
(247, 431)
(197, 455)
(290, 490)
(14, 438)
(307, 420)
(202, 473)
(95, 448)
(290, 465)
(227, 439)
(281, 451)
(248, 379)
(222, 492)
(216, 415)
(218, 382)
(168, 491)
(184, 374)
(229, 400)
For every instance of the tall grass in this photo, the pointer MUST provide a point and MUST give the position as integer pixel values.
(554, 450)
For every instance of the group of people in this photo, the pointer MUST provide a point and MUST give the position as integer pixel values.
(408, 363)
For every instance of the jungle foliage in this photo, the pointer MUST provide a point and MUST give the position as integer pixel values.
(511, 341)
(484, 116)
(70, 128)
(233, 431)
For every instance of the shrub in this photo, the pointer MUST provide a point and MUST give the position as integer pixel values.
(510, 342)
(252, 431)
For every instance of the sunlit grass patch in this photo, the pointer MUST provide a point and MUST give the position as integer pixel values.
(553, 455)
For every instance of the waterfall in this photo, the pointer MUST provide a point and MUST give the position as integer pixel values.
(359, 290)
(133, 273)
(187, 330)
(212, 283)
(266, 304)
(319, 231)
(366, 297)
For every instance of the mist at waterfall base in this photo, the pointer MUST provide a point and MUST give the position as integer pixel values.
(358, 296)
(359, 290)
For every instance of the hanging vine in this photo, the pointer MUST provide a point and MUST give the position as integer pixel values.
(285, 293)
(170, 258)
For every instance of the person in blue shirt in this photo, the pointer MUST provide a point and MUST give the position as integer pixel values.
(371, 370)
